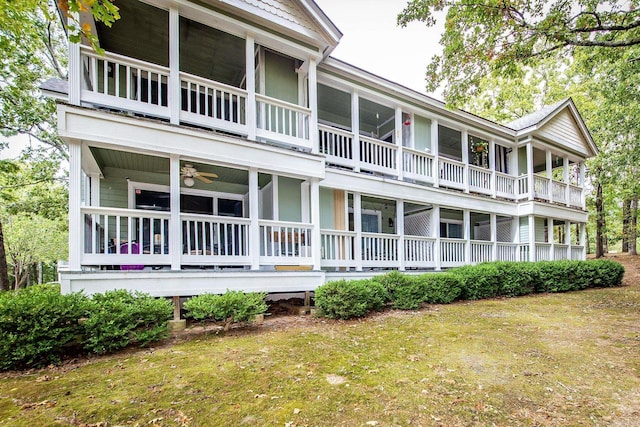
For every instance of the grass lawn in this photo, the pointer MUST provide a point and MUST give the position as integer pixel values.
(557, 359)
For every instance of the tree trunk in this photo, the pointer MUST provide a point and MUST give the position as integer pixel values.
(4, 270)
(626, 212)
(587, 244)
(600, 222)
(633, 225)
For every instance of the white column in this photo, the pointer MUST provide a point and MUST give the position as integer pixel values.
(275, 197)
(435, 232)
(583, 240)
(75, 73)
(357, 226)
(550, 239)
(436, 158)
(492, 166)
(254, 217)
(582, 181)
(305, 198)
(355, 128)
(76, 226)
(175, 223)
(95, 189)
(174, 95)
(465, 158)
(250, 65)
(530, 170)
(466, 227)
(565, 178)
(549, 168)
(567, 237)
(398, 141)
(315, 220)
(494, 236)
(400, 232)
(532, 238)
(313, 105)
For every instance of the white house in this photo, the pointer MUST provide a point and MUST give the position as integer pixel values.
(216, 145)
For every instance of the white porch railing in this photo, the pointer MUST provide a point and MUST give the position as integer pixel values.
(337, 145)
(379, 250)
(452, 252)
(120, 82)
(337, 248)
(522, 187)
(209, 103)
(479, 179)
(559, 191)
(451, 173)
(523, 252)
(128, 237)
(215, 239)
(575, 196)
(577, 252)
(419, 251)
(417, 165)
(282, 121)
(541, 187)
(543, 251)
(505, 185)
(378, 156)
(286, 243)
(481, 251)
(560, 251)
(507, 252)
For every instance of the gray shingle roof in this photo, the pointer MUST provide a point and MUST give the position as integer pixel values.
(55, 85)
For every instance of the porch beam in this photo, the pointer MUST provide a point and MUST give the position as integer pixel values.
(357, 225)
(254, 217)
(76, 244)
(174, 95)
(250, 67)
(400, 232)
(175, 223)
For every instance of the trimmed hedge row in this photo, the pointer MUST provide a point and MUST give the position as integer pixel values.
(230, 307)
(348, 299)
(39, 326)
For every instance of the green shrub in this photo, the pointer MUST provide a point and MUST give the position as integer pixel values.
(391, 282)
(38, 326)
(342, 299)
(432, 288)
(230, 307)
(479, 281)
(119, 318)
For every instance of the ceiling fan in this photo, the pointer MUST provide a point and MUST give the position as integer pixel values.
(188, 173)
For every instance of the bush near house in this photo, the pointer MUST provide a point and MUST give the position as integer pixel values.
(40, 326)
(347, 299)
(230, 307)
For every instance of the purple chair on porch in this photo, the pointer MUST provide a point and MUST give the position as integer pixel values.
(135, 249)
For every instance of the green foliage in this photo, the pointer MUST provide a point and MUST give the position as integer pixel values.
(38, 326)
(119, 318)
(230, 307)
(392, 282)
(342, 299)
(432, 288)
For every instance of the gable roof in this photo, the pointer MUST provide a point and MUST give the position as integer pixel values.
(559, 123)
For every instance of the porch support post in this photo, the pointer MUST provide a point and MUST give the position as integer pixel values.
(466, 227)
(95, 189)
(254, 226)
(567, 237)
(583, 240)
(565, 178)
(250, 66)
(436, 159)
(175, 224)
(435, 232)
(549, 167)
(275, 195)
(400, 232)
(465, 159)
(355, 127)
(550, 238)
(357, 225)
(494, 236)
(76, 227)
(530, 170)
(582, 181)
(532, 238)
(492, 166)
(315, 220)
(174, 94)
(398, 142)
(312, 82)
(305, 198)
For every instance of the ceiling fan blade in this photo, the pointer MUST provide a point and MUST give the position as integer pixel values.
(203, 179)
(212, 175)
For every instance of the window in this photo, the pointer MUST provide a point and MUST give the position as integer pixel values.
(451, 230)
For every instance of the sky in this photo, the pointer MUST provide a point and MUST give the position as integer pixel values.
(374, 42)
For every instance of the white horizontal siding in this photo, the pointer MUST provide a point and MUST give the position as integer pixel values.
(564, 130)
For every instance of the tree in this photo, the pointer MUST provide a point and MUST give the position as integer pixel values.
(484, 37)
